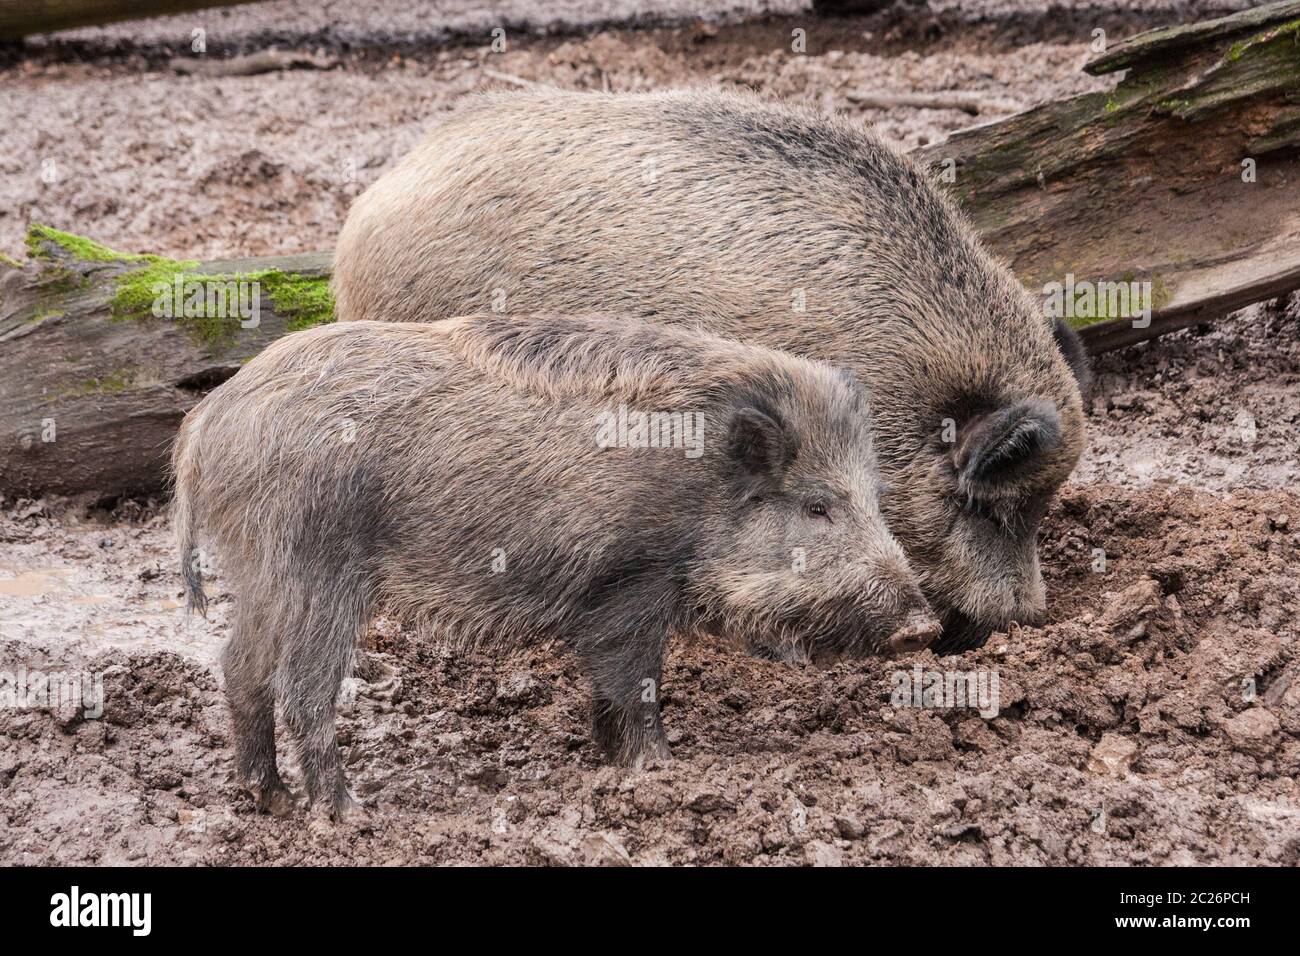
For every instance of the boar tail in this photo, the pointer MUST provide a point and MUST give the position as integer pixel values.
(185, 518)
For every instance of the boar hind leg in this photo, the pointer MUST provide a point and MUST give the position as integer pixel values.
(248, 663)
(626, 672)
(317, 654)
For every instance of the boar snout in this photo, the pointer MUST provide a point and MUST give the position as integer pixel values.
(918, 630)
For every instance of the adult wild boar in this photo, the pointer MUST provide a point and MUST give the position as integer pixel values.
(492, 479)
(773, 225)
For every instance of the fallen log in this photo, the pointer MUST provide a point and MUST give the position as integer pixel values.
(19, 18)
(102, 353)
(1185, 178)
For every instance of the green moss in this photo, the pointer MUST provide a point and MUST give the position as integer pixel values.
(114, 383)
(1101, 312)
(58, 274)
(1079, 322)
(60, 280)
(1160, 294)
(9, 261)
(1260, 64)
(1291, 28)
(117, 381)
(77, 246)
(302, 301)
(136, 291)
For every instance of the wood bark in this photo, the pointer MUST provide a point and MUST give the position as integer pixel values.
(1186, 175)
(19, 18)
(90, 399)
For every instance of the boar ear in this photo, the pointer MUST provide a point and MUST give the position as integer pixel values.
(1076, 356)
(998, 444)
(757, 442)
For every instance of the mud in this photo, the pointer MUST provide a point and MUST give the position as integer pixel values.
(1155, 718)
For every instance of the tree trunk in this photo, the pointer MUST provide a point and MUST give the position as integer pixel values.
(18, 18)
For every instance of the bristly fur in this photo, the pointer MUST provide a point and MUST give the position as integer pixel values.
(450, 474)
(762, 222)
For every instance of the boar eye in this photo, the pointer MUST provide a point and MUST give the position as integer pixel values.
(818, 510)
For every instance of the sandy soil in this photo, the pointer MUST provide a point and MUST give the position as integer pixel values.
(1154, 719)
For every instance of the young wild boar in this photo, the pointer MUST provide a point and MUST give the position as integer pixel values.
(772, 225)
(492, 479)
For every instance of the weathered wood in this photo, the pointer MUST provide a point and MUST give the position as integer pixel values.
(93, 387)
(19, 18)
(1212, 294)
(1168, 42)
(1186, 175)
(269, 60)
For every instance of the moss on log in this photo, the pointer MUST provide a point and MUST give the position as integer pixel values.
(102, 353)
(1184, 176)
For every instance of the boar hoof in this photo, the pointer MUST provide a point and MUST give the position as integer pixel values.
(654, 752)
(348, 810)
(274, 799)
(960, 634)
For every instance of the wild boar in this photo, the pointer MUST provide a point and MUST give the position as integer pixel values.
(494, 479)
(769, 224)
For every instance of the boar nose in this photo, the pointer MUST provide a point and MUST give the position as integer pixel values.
(918, 630)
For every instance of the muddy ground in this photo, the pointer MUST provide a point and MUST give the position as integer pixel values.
(1154, 719)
